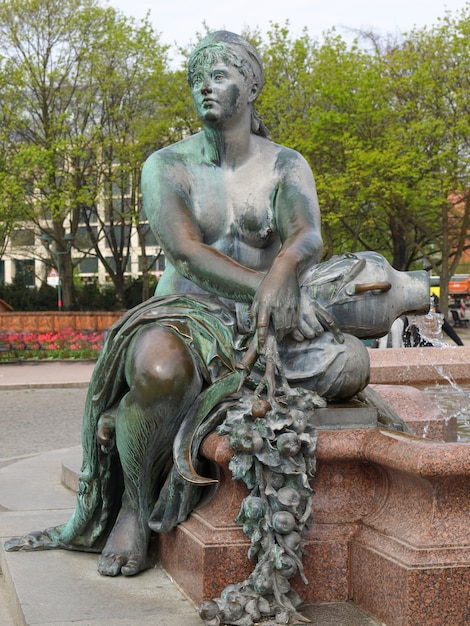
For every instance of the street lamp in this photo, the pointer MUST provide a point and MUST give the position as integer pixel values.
(46, 240)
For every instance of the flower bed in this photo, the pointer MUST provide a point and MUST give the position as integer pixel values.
(64, 344)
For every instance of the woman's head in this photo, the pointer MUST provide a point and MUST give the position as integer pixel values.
(233, 50)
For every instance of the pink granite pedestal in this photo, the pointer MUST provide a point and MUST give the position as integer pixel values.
(410, 559)
(209, 551)
(391, 529)
(391, 522)
(423, 417)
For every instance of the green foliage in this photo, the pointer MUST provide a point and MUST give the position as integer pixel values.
(134, 293)
(94, 297)
(23, 298)
(385, 130)
(86, 95)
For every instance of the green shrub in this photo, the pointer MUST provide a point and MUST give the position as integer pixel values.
(87, 296)
(23, 298)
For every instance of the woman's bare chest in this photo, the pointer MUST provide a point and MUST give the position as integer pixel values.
(234, 204)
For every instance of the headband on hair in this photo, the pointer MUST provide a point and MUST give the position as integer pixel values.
(233, 41)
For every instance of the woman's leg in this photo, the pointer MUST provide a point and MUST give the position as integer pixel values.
(163, 382)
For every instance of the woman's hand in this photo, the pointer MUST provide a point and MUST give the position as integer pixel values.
(279, 302)
(276, 302)
(314, 320)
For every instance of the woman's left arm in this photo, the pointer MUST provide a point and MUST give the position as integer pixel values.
(277, 300)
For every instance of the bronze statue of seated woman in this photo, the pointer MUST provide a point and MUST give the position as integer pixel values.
(238, 220)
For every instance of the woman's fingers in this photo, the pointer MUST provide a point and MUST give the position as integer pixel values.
(314, 320)
(329, 323)
(283, 322)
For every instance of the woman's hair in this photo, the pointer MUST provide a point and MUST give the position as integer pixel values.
(232, 49)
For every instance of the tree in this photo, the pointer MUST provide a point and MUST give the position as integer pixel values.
(11, 189)
(43, 43)
(432, 86)
(92, 93)
(385, 129)
(128, 83)
(334, 112)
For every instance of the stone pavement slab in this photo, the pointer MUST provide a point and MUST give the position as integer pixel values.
(6, 617)
(34, 484)
(61, 587)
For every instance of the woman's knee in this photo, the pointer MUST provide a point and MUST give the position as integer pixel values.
(161, 365)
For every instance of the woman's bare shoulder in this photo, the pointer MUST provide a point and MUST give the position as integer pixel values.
(281, 154)
(175, 154)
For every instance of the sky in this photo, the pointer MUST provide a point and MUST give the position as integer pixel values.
(179, 21)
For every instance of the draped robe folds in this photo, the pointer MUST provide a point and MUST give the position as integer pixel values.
(208, 329)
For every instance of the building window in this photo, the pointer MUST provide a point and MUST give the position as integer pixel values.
(21, 237)
(112, 264)
(161, 262)
(24, 271)
(89, 265)
(147, 234)
(153, 263)
(120, 232)
(82, 237)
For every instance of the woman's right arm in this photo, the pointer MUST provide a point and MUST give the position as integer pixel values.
(167, 203)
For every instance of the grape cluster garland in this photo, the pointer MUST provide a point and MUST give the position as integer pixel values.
(274, 445)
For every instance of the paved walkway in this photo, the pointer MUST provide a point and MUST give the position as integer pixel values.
(32, 375)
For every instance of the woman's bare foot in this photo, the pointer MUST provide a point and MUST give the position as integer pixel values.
(125, 551)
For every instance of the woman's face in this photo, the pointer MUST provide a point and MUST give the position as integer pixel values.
(220, 92)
